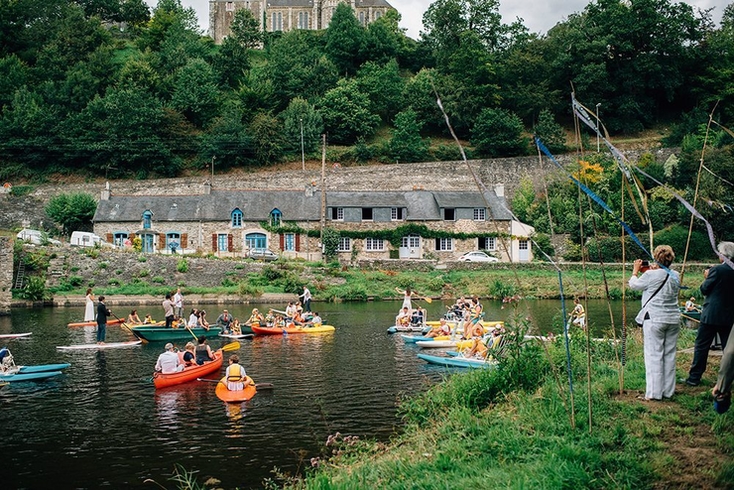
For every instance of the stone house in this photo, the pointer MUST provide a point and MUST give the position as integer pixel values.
(287, 15)
(438, 225)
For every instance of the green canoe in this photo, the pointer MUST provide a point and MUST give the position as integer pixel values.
(163, 334)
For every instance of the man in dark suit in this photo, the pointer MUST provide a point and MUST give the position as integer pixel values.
(718, 312)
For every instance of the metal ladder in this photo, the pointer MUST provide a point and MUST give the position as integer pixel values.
(20, 277)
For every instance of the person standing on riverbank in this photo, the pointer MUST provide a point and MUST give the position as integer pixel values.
(178, 304)
(660, 320)
(717, 315)
(168, 310)
(102, 314)
(722, 390)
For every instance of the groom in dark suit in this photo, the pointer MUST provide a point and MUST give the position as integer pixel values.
(718, 312)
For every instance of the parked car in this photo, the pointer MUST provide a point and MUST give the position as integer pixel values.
(261, 254)
(36, 237)
(478, 256)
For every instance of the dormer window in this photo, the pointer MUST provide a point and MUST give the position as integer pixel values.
(276, 217)
(236, 218)
(147, 220)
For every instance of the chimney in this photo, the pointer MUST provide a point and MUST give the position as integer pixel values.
(106, 192)
(499, 190)
(311, 189)
(207, 187)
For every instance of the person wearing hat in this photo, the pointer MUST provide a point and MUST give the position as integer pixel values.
(168, 362)
(255, 319)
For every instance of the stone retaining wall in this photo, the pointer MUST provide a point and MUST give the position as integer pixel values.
(6, 274)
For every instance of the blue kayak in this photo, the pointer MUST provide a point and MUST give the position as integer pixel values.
(411, 328)
(42, 368)
(412, 339)
(29, 376)
(457, 362)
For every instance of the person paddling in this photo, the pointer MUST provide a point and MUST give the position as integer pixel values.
(235, 376)
(102, 314)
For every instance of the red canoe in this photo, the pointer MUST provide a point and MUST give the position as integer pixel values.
(234, 396)
(190, 373)
(114, 321)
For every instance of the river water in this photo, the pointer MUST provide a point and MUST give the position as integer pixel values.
(102, 424)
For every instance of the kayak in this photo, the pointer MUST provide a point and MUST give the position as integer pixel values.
(161, 380)
(235, 336)
(111, 345)
(114, 321)
(280, 331)
(457, 362)
(42, 368)
(163, 334)
(413, 339)
(235, 396)
(14, 335)
(29, 376)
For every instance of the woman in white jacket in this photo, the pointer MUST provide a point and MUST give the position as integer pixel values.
(660, 320)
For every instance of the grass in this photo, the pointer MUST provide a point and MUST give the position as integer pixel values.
(510, 428)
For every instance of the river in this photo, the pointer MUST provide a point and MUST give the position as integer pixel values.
(102, 424)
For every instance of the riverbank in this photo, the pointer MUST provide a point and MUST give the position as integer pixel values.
(512, 427)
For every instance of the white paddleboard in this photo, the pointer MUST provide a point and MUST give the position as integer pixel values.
(14, 335)
(111, 345)
(237, 337)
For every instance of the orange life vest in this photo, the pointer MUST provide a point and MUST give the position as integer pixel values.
(235, 373)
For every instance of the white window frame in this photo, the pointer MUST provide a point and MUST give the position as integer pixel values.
(289, 242)
(229, 6)
(480, 214)
(374, 244)
(445, 245)
(345, 244)
(491, 242)
(339, 214)
(396, 214)
(410, 241)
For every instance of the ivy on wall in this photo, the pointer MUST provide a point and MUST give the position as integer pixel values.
(394, 236)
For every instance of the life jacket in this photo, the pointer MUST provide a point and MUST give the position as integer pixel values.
(235, 373)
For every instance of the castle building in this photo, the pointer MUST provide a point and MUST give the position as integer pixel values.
(287, 15)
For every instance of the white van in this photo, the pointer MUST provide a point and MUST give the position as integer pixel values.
(85, 239)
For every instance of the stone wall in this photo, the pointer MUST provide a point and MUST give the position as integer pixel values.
(6, 274)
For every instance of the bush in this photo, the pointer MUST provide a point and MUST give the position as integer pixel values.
(144, 273)
(498, 133)
(542, 241)
(113, 282)
(247, 289)
(142, 258)
(272, 273)
(35, 289)
(158, 280)
(677, 235)
(182, 265)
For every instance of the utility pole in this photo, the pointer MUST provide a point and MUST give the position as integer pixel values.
(213, 158)
(323, 187)
(303, 154)
(597, 126)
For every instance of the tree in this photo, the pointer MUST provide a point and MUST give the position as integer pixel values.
(384, 40)
(345, 39)
(72, 211)
(301, 118)
(267, 139)
(246, 29)
(550, 132)
(384, 86)
(228, 139)
(498, 133)
(406, 144)
(346, 113)
(195, 92)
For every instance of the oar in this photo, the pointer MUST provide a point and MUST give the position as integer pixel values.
(192, 333)
(122, 322)
(231, 346)
(279, 311)
(259, 386)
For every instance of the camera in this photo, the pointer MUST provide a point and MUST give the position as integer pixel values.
(645, 266)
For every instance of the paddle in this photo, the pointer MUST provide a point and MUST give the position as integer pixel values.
(122, 322)
(231, 346)
(278, 311)
(259, 386)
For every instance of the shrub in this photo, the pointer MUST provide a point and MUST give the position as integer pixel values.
(228, 282)
(102, 265)
(35, 289)
(158, 280)
(144, 273)
(92, 252)
(142, 258)
(271, 273)
(182, 265)
(500, 290)
(247, 289)
(75, 281)
(498, 133)
(113, 282)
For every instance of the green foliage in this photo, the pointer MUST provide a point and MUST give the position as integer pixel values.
(182, 265)
(247, 289)
(542, 241)
(34, 289)
(272, 273)
(195, 92)
(330, 242)
(676, 236)
(406, 144)
(267, 138)
(21, 190)
(72, 211)
(142, 258)
(344, 39)
(502, 289)
(550, 132)
(301, 119)
(499, 133)
(347, 113)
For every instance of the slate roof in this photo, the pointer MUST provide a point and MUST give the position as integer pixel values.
(256, 205)
(217, 206)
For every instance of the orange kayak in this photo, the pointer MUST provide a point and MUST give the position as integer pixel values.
(235, 396)
(113, 321)
(280, 330)
(190, 373)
